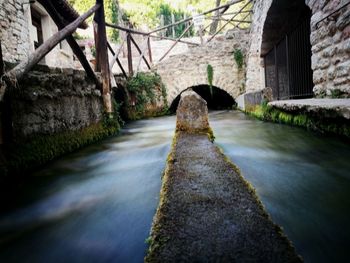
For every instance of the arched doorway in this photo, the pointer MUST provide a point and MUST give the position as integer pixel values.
(218, 99)
(286, 49)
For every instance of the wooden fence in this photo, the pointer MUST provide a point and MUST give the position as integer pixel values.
(103, 65)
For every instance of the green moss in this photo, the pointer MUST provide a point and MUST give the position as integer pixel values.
(239, 58)
(41, 149)
(146, 89)
(210, 76)
(322, 124)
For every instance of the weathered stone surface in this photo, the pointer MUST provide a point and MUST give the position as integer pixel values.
(209, 213)
(14, 32)
(329, 108)
(330, 46)
(192, 113)
(187, 70)
(56, 101)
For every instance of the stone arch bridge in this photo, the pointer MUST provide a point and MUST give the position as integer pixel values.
(179, 72)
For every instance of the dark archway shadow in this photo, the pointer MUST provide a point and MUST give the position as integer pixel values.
(219, 100)
(286, 50)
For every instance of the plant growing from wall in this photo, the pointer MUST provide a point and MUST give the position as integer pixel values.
(146, 89)
(210, 76)
(239, 58)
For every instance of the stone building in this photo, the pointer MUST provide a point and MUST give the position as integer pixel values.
(25, 25)
(300, 49)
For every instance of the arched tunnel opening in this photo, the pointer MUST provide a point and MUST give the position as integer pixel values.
(286, 50)
(218, 99)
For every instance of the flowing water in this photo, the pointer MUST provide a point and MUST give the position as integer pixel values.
(302, 178)
(97, 205)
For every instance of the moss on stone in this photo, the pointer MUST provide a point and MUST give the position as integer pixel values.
(320, 123)
(170, 236)
(40, 149)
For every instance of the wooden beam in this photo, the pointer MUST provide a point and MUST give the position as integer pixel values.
(2, 69)
(174, 44)
(139, 50)
(172, 39)
(72, 43)
(142, 55)
(17, 73)
(217, 32)
(225, 7)
(102, 54)
(117, 59)
(129, 30)
(128, 43)
(149, 49)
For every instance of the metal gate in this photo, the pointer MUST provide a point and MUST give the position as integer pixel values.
(288, 65)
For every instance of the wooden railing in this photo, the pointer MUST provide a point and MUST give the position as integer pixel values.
(103, 64)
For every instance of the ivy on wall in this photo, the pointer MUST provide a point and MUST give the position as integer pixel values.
(146, 90)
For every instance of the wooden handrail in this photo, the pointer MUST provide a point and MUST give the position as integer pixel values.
(183, 33)
(140, 52)
(17, 72)
(115, 58)
(226, 6)
(217, 32)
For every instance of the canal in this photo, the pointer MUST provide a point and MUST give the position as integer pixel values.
(97, 204)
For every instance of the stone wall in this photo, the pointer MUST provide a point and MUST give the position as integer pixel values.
(255, 64)
(182, 71)
(14, 33)
(54, 101)
(330, 42)
(17, 34)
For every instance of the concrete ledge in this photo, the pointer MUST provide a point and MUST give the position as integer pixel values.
(329, 108)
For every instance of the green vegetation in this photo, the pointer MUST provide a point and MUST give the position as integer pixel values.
(210, 76)
(41, 149)
(147, 12)
(111, 13)
(166, 10)
(147, 96)
(324, 125)
(239, 58)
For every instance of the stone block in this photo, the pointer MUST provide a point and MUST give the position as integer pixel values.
(343, 69)
(192, 113)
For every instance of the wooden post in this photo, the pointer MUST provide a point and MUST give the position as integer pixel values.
(128, 43)
(149, 50)
(102, 55)
(2, 70)
(2, 93)
(173, 22)
(162, 33)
